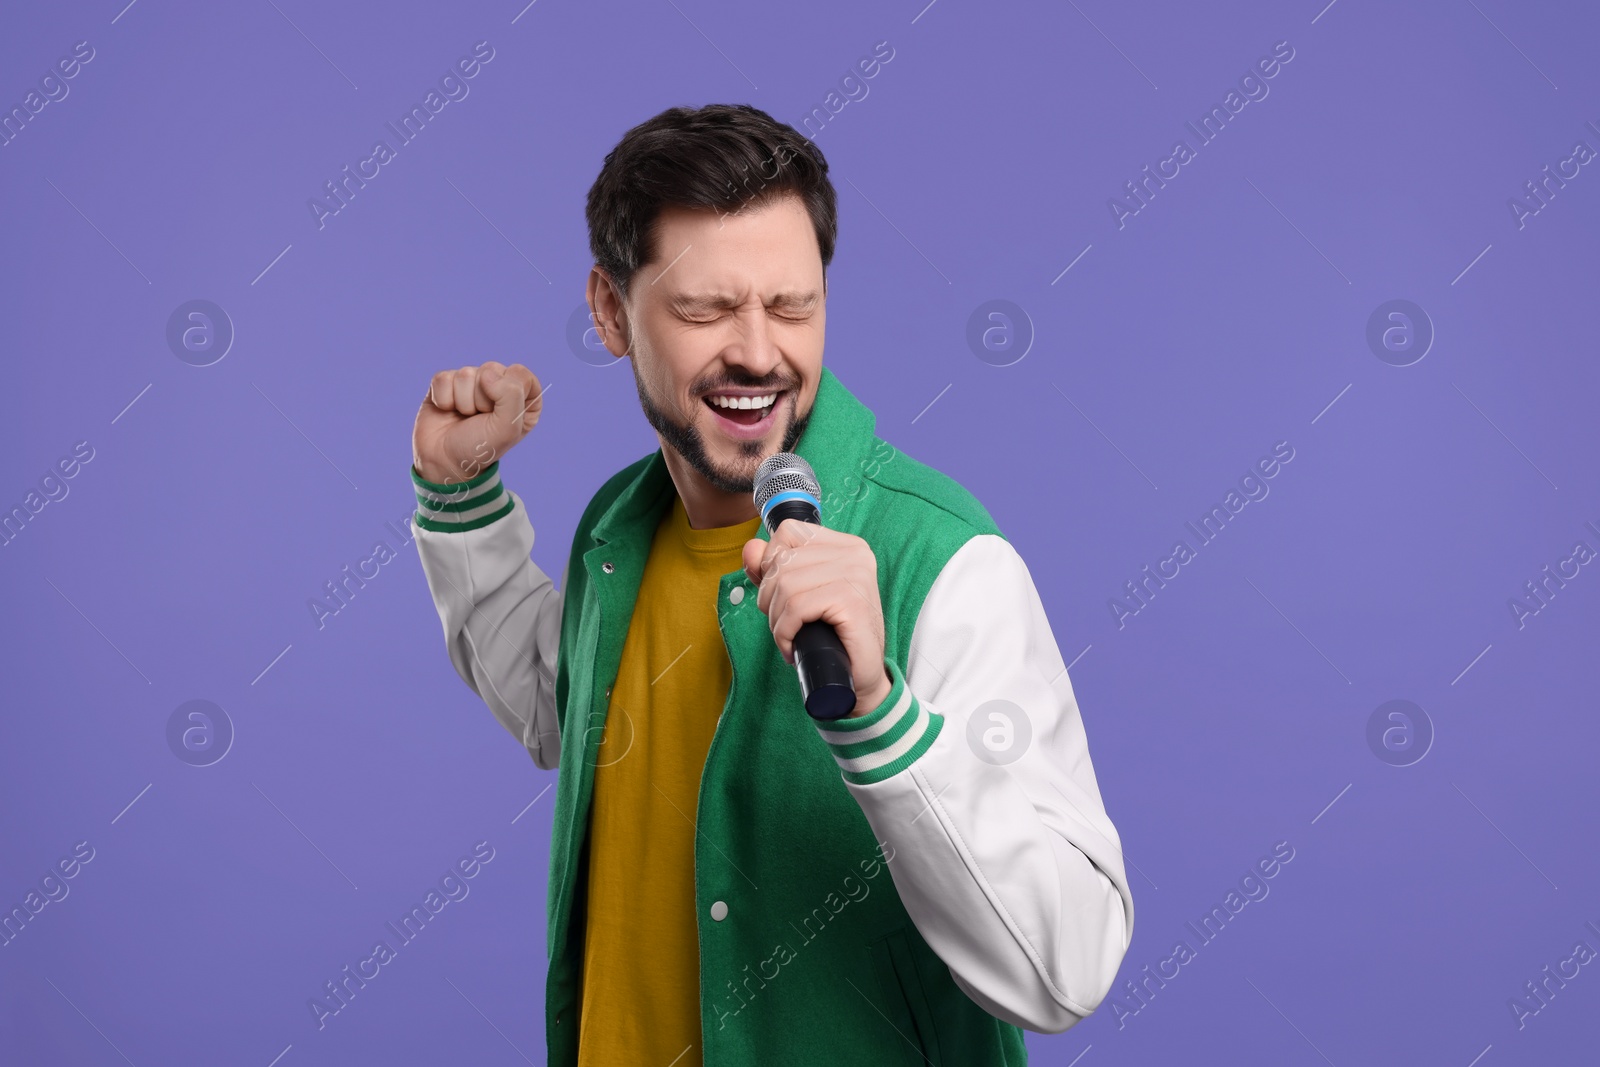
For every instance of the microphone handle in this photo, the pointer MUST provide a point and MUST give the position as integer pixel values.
(820, 658)
(824, 669)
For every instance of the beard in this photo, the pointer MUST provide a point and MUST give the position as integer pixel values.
(686, 439)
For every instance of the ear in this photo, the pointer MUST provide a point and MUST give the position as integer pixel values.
(609, 313)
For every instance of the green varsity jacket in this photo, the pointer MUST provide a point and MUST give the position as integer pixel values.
(912, 886)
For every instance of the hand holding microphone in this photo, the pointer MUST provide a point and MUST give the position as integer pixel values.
(819, 591)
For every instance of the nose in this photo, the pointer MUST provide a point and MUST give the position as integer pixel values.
(754, 348)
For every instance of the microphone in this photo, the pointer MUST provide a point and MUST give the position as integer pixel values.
(786, 488)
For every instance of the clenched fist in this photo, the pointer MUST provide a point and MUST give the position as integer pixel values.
(471, 417)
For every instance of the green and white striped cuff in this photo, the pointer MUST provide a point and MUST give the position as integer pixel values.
(886, 740)
(464, 505)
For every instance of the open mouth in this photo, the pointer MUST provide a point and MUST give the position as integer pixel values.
(746, 411)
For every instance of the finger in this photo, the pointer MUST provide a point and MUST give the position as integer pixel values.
(774, 555)
(764, 556)
(797, 532)
(802, 565)
(794, 583)
(775, 567)
(532, 392)
(465, 384)
(483, 395)
(792, 536)
(508, 399)
(751, 555)
(797, 610)
(442, 390)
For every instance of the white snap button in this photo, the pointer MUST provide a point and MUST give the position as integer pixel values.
(719, 911)
(736, 594)
(607, 567)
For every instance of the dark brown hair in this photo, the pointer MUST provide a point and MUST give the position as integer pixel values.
(721, 156)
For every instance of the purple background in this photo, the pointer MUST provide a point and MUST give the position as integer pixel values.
(1227, 315)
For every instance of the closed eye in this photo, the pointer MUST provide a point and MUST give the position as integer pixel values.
(805, 317)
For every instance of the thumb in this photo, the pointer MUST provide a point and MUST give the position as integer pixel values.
(510, 409)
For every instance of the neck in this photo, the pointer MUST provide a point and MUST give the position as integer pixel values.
(706, 505)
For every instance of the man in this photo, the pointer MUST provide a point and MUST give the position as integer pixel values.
(717, 890)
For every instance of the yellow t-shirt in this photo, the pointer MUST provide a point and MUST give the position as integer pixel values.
(641, 969)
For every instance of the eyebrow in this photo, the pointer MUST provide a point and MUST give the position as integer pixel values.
(702, 302)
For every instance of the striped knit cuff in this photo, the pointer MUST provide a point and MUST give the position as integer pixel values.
(464, 505)
(886, 740)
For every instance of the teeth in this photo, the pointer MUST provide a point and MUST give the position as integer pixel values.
(744, 401)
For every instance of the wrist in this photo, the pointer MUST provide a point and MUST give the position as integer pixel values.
(442, 476)
(867, 703)
(882, 740)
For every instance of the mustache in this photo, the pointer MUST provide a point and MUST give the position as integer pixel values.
(773, 387)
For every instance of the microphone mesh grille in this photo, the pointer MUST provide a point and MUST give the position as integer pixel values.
(784, 472)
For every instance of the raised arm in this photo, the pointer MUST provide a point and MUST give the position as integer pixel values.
(500, 612)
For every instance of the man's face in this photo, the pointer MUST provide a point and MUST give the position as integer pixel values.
(732, 306)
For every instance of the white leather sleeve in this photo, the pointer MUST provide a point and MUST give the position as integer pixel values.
(1011, 868)
(502, 622)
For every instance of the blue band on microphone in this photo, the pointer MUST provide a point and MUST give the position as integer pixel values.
(792, 494)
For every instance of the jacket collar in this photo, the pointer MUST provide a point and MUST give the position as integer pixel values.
(836, 440)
